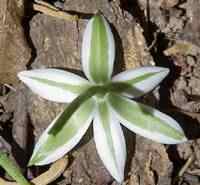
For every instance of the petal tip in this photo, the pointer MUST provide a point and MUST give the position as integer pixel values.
(35, 160)
(163, 70)
(178, 141)
(20, 75)
(23, 75)
(184, 139)
(98, 16)
(166, 70)
(120, 178)
(30, 163)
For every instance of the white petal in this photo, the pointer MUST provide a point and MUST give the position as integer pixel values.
(110, 141)
(142, 80)
(53, 84)
(51, 147)
(147, 121)
(98, 50)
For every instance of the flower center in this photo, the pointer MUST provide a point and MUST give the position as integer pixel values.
(115, 87)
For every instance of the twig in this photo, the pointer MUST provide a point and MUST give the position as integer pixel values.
(49, 9)
(194, 172)
(153, 42)
(10, 87)
(52, 174)
(186, 165)
(44, 3)
(179, 178)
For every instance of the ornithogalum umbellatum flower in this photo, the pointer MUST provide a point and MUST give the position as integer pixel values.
(104, 101)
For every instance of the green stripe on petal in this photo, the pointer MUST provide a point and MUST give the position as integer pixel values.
(109, 141)
(53, 84)
(142, 80)
(98, 50)
(77, 89)
(51, 147)
(104, 118)
(147, 121)
(72, 107)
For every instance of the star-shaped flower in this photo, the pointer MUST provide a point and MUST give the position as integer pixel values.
(103, 100)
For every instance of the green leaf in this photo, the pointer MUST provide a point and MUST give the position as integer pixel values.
(12, 170)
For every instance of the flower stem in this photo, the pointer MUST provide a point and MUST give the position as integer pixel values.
(12, 170)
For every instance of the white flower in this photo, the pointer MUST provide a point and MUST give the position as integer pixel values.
(101, 99)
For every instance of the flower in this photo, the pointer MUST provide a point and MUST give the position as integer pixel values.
(103, 99)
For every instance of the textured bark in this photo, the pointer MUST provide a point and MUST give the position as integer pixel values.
(14, 52)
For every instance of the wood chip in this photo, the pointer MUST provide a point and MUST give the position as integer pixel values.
(49, 9)
(182, 48)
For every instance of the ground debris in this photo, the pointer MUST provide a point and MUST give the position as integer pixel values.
(150, 164)
(47, 177)
(182, 48)
(48, 9)
(57, 43)
(14, 52)
(166, 4)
